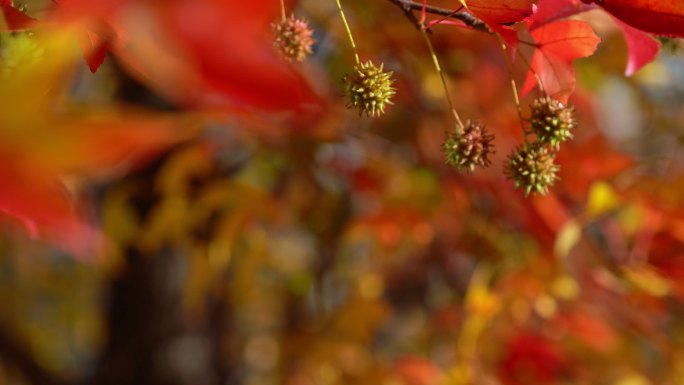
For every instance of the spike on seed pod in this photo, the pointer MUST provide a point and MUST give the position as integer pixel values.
(368, 89)
(551, 121)
(469, 147)
(293, 38)
(532, 168)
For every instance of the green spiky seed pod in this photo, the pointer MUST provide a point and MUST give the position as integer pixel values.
(551, 121)
(293, 38)
(368, 89)
(532, 168)
(469, 147)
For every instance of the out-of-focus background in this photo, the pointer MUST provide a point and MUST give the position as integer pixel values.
(242, 246)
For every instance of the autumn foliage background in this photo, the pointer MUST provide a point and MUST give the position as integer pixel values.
(182, 206)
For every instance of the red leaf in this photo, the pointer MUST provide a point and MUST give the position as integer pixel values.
(587, 162)
(532, 359)
(230, 43)
(34, 195)
(558, 44)
(551, 211)
(662, 17)
(33, 192)
(41, 141)
(591, 330)
(501, 11)
(205, 53)
(552, 10)
(643, 49)
(95, 48)
(15, 19)
(416, 371)
(497, 13)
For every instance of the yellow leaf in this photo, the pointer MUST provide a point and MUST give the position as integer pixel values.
(632, 379)
(602, 199)
(565, 287)
(567, 238)
(648, 281)
(631, 218)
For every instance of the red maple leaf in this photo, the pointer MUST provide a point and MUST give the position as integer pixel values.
(642, 48)
(15, 20)
(557, 45)
(656, 16)
(499, 14)
(206, 53)
(552, 10)
(501, 11)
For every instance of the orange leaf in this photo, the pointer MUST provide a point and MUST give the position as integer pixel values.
(415, 370)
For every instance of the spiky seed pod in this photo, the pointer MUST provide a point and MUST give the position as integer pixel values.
(469, 148)
(532, 168)
(293, 38)
(551, 121)
(368, 89)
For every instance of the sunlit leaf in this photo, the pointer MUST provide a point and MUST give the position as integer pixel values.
(601, 200)
(558, 45)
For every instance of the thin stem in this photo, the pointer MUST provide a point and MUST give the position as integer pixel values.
(442, 78)
(525, 42)
(407, 6)
(444, 18)
(282, 9)
(349, 33)
(540, 85)
(514, 87)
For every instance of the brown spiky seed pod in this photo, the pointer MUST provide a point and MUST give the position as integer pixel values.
(532, 168)
(469, 147)
(368, 89)
(551, 121)
(293, 38)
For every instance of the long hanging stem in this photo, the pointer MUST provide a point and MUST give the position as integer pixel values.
(540, 85)
(349, 34)
(282, 9)
(514, 87)
(442, 78)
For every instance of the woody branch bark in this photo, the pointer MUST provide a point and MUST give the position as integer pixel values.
(459, 14)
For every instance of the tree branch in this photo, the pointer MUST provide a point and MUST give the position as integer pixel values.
(409, 6)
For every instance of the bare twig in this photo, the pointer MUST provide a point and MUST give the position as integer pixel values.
(409, 6)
